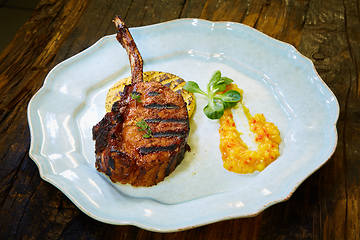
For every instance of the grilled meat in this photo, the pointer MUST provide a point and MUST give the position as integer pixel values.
(124, 151)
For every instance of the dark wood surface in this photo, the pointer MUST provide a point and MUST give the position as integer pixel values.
(325, 206)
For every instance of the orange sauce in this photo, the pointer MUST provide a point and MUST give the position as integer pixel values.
(236, 155)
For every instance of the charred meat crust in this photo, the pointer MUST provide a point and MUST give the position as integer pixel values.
(122, 152)
(108, 127)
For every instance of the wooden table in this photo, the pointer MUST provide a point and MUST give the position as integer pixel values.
(325, 206)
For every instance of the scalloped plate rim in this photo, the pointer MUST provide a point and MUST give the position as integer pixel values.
(279, 198)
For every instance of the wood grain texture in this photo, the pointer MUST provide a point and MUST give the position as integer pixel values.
(325, 206)
(24, 64)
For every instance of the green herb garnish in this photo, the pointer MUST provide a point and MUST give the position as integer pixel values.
(217, 102)
(143, 126)
(136, 96)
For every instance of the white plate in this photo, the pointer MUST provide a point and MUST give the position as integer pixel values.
(277, 80)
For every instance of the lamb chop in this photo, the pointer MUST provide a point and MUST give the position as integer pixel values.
(143, 138)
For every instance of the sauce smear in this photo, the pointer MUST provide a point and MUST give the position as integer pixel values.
(236, 155)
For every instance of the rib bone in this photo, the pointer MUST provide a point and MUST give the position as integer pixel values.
(126, 40)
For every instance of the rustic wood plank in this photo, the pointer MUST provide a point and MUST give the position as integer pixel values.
(325, 41)
(326, 205)
(152, 11)
(93, 24)
(351, 134)
(234, 11)
(192, 8)
(22, 71)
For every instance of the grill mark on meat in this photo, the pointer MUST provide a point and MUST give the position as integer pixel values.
(152, 94)
(111, 162)
(108, 172)
(170, 120)
(169, 134)
(174, 160)
(148, 150)
(161, 106)
(118, 152)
